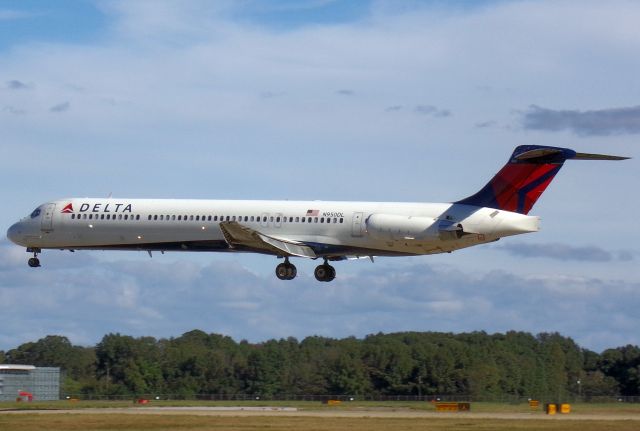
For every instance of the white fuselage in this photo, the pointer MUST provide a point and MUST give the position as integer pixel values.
(333, 230)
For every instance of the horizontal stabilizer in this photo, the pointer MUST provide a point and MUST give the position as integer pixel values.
(587, 156)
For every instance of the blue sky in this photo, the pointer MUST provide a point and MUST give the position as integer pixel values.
(332, 100)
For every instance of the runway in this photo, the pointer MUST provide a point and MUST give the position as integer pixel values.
(389, 413)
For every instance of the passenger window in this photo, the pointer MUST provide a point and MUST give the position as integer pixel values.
(191, 218)
(278, 219)
(228, 218)
(315, 219)
(84, 216)
(90, 216)
(197, 218)
(264, 218)
(119, 216)
(297, 219)
(155, 217)
(138, 217)
(290, 219)
(246, 218)
(341, 220)
(126, 217)
(209, 218)
(73, 216)
(161, 217)
(303, 219)
(335, 220)
(309, 220)
(322, 220)
(252, 218)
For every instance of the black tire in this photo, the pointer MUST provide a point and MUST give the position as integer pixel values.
(282, 271)
(320, 272)
(331, 273)
(34, 262)
(292, 271)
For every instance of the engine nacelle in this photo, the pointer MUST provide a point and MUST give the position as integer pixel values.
(448, 230)
(408, 228)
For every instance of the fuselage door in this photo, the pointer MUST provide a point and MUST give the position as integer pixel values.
(356, 224)
(47, 217)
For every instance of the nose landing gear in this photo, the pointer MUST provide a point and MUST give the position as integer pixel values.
(33, 262)
(286, 270)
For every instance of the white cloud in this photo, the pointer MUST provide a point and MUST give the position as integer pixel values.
(165, 297)
(182, 99)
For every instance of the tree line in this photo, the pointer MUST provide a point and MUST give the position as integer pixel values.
(473, 364)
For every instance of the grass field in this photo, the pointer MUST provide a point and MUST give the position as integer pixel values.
(315, 416)
(70, 422)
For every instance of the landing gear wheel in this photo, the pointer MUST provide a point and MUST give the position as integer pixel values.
(286, 271)
(33, 262)
(292, 271)
(281, 271)
(324, 272)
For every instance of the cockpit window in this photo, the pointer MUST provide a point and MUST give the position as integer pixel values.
(35, 213)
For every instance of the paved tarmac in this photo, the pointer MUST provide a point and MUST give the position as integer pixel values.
(352, 413)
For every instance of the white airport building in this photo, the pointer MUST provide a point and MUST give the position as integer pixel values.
(41, 383)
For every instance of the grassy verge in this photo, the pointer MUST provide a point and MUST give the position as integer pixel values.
(69, 422)
(581, 408)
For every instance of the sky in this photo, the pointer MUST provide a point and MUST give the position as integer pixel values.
(419, 101)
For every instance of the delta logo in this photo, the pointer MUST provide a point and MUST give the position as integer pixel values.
(98, 208)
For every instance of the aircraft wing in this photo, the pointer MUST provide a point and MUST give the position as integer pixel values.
(239, 236)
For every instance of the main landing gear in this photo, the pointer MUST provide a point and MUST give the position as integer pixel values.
(286, 270)
(325, 272)
(33, 262)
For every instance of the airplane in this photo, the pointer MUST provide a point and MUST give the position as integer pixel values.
(331, 231)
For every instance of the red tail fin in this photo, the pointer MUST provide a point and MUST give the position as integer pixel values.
(525, 177)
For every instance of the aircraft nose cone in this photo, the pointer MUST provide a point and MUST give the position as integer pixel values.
(14, 233)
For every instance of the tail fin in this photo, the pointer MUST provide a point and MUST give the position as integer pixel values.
(525, 177)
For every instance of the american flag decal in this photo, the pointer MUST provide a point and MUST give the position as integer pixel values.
(313, 213)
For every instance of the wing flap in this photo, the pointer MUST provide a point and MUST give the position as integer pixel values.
(238, 235)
